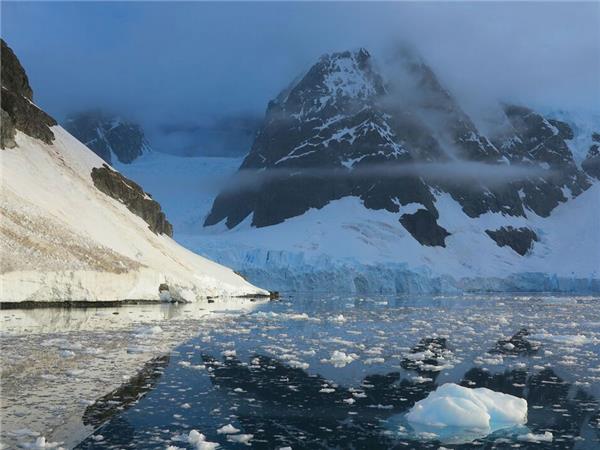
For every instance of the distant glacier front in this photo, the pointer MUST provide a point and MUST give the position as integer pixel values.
(287, 272)
(349, 249)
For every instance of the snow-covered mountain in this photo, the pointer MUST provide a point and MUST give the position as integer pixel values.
(362, 182)
(75, 229)
(347, 248)
(111, 137)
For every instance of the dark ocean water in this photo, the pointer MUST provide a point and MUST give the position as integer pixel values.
(311, 372)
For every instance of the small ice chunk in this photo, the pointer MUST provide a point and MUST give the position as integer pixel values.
(327, 390)
(240, 438)
(228, 429)
(41, 443)
(340, 359)
(371, 361)
(531, 437)
(568, 339)
(339, 318)
(199, 441)
(147, 331)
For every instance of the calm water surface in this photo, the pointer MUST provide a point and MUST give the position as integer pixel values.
(311, 372)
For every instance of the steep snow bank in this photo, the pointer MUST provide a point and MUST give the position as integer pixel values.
(63, 239)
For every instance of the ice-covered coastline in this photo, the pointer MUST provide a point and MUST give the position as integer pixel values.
(67, 240)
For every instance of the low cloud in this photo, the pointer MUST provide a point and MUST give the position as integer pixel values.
(490, 175)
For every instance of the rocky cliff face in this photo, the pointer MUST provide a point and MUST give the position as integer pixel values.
(132, 195)
(18, 111)
(342, 130)
(591, 164)
(109, 136)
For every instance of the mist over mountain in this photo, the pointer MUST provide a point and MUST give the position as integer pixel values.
(230, 135)
(346, 129)
(521, 53)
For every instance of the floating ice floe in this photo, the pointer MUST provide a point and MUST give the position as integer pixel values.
(240, 438)
(228, 429)
(40, 443)
(147, 331)
(458, 414)
(569, 339)
(340, 359)
(531, 437)
(198, 440)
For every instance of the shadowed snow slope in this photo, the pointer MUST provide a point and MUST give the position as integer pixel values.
(64, 239)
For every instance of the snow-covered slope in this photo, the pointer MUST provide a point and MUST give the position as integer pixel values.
(74, 229)
(347, 248)
(64, 239)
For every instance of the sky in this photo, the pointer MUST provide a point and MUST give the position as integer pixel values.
(191, 72)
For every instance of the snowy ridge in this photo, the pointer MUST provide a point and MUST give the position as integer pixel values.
(66, 240)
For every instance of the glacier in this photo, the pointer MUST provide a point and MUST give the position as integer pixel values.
(347, 248)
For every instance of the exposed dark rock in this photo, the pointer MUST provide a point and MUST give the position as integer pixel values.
(564, 129)
(7, 131)
(108, 135)
(115, 185)
(18, 111)
(14, 77)
(423, 226)
(591, 164)
(540, 143)
(519, 239)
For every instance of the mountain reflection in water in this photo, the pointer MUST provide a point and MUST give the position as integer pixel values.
(282, 406)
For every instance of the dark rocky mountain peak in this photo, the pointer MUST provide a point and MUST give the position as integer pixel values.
(108, 135)
(326, 136)
(18, 110)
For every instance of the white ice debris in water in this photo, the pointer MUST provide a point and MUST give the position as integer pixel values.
(240, 438)
(339, 319)
(147, 331)
(569, 339)
(198, 440)
(40, 443)
(228, 429)
(530, 437)
(340, 359)
(463, 408)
